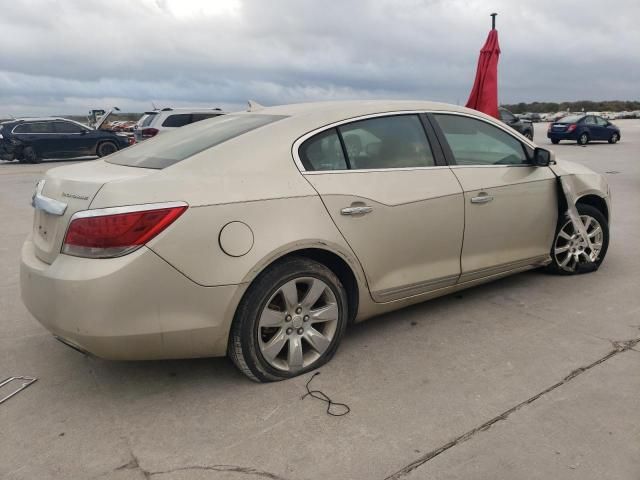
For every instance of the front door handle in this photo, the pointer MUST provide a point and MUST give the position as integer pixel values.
(356, 210)
(481, 198)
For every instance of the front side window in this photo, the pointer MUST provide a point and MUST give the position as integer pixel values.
(590, 120)
(475, 142)
(601, 121)
(507, 117)
(181, 143)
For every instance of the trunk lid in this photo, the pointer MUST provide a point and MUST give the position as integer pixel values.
(75, 186)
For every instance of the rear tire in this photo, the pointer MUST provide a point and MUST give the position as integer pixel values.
(106, 148)
(278, 331)
(29, 155)
(566, 255)
(614, 138)
(583, 139)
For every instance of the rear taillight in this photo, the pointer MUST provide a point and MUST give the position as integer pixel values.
(149, 132)
(571, 127)
(114, 232)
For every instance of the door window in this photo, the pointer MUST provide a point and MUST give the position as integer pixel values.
(475, 142)
(590, 120)
(67, 127)
(601, 122)
(398, 141)
(507, 117)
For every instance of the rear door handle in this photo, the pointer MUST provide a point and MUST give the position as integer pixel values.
(356, 210)
(482, 198)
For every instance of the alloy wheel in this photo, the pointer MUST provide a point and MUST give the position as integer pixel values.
(298, 324)
(570, 249)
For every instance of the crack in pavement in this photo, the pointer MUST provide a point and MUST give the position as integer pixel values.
(134, 464)
(618, 347)
(222, 468)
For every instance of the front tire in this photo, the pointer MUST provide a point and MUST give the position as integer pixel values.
(106, 148)
(568, 252)
(290, 321)
(529, 134)
(614, 138)
(555, 141)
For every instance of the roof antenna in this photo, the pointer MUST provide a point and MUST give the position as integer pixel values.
(254, 106)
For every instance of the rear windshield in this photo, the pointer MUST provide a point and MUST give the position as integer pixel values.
(571, 119)
(176, 145)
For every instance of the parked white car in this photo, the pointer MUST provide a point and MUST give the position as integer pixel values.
(158, 121)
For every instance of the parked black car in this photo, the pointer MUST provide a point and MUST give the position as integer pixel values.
(31, 140)
(583, 129)
(525, 127)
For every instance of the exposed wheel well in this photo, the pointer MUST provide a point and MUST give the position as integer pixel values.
(339, 267)
(596, 202)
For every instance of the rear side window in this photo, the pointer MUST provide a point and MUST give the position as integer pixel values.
(177, 145)
(35, 127)
(323, 152)
(397, 141)
(147, 119)
(475, 142)
(196, 117)
(24, 128)
(177, 120)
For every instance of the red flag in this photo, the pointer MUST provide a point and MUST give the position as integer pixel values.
(484, 94)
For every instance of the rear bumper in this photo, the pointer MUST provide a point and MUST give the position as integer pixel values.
(563, 135)
(135, 307)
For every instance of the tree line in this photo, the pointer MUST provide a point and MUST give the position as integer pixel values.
(586, 105)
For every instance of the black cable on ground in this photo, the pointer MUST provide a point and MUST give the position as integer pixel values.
(322, 396)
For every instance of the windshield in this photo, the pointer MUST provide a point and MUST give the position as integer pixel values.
(571, 119)
(184, 142)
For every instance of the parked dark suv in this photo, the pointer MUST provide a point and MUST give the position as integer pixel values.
(31, 140)
(525, 127)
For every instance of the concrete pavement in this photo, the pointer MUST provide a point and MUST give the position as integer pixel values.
(533, 376)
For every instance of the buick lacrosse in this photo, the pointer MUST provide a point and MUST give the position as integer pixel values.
(260, 235)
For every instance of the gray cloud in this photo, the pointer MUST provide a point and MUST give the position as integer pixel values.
(67, 57)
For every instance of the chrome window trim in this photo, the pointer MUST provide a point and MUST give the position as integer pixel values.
(296, 145)
(84, 127)
(101, 212)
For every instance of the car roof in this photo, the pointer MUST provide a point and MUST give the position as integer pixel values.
(307, 116)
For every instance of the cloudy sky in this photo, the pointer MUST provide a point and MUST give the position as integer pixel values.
(63, 57)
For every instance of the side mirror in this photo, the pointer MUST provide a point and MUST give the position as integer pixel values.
(542, 157)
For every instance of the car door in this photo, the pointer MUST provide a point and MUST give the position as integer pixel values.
(396, 203)
(73, 140)
(590, 126)
(511, 206)
(603, 133)
(40, 135)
